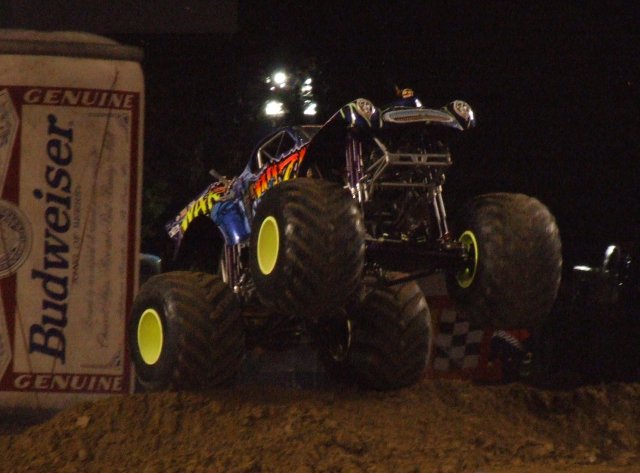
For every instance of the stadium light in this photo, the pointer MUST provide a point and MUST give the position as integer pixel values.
(274, 108)
(280, 79)
(310, 108)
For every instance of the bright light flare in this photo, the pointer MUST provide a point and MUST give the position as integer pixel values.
(310, 108)
(274, 108)
(280, 78)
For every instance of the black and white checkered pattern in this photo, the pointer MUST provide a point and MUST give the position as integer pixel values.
(457, 344)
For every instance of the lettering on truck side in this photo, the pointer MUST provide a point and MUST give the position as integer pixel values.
(201, 206)
(277, 172)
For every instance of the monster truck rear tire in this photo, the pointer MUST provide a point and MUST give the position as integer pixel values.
(185, 332)
(307, 247)
(515, 264)
(389, 339)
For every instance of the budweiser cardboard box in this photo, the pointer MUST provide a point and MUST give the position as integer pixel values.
(71, 123)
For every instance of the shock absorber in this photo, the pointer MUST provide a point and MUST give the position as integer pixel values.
(355, 171)
(439, 211)
(229, 269)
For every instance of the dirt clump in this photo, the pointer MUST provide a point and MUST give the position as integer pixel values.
(434, 427)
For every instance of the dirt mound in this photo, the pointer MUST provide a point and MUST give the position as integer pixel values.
(441, 426)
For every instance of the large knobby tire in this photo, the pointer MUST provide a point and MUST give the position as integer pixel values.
(515, 264)
(307, 247)
(185, 332)
(389, 339)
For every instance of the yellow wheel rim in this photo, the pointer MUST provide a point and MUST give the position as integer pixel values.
(268, 245)
(150, 336)
(467, 275)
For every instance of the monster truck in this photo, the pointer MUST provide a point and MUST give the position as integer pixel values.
(322, 237)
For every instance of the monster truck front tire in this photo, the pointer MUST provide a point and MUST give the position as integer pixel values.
(515, 261)
(389, 339)
(307, 247)
(185, 332)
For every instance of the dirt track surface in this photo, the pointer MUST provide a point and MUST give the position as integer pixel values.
(435, 426)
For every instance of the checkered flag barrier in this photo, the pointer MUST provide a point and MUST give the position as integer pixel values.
(457, 344)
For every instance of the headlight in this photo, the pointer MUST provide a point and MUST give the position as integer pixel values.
(365, 108)
(361, 113)
(463, 112)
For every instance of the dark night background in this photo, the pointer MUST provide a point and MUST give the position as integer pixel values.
(555, 88)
